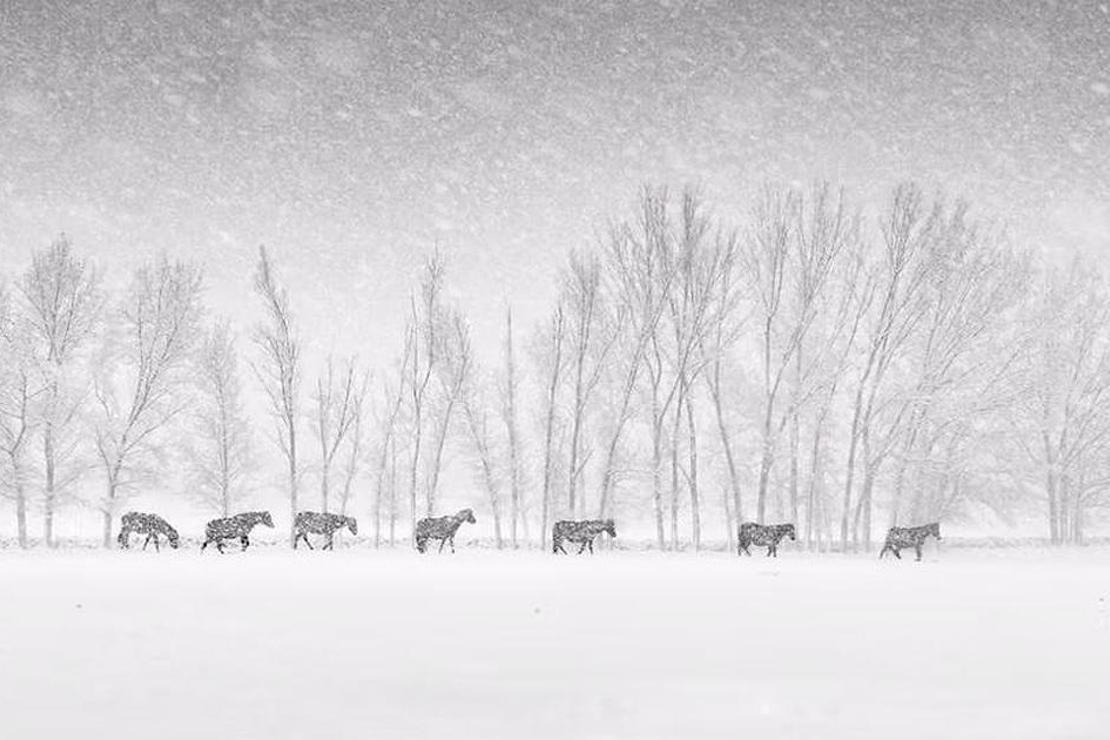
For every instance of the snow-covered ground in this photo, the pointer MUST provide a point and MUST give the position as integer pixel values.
(358, 644)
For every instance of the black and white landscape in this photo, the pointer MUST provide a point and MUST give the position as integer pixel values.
(606, 370)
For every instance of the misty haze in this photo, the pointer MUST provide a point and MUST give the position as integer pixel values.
(598, 370)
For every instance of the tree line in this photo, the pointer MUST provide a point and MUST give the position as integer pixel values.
(811, 359)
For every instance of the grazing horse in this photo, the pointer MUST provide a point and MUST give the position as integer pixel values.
(762, 535)
(151, 525)
(441, 528)
(235, 527)
(581, 533)
(899, 537)
(326, 524)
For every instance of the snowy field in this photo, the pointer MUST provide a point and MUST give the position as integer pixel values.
(356, 644)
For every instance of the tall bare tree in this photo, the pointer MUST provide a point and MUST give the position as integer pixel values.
(975, 283)
(385, 471)
(475, 398)
(702, 266)
(721, 339)
(64, 305)
(20, 413)
(279, 370)
(425, 323)
(509, 418)
(453, 370)
(907, 229)
(637, 276)
(336, 402)
(221, 454)
(788, 260)
(592, 331)
(158, 327)
(356, 438)
(551, 359)
(1062, 417)
(845, 307)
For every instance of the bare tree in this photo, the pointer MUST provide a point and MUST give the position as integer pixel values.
(907, 229)
(845, 307)
(974, 284)
(425, 323)
(64, 304)
(354, 446)
(482, 438)
(702, 265)
(636, 276)
(788, 260)
(221, 456)
(159, 325)
(592, 332)
(279, 371)
(19, 413)
(453, 369)
(1062, 421)
(386, 467)
(551, 359)
(336, 415)
(475, 399)
(723, 336)
(509, 418)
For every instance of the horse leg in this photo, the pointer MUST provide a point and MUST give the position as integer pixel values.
(442, 542)
(591, 546)
(918, 548)
(331, 541)
(157, 548)
(147, 541)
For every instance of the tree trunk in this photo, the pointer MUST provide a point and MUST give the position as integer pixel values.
(1050, 486)
(814, 472)
(21, 515)
(695, 503)
(292, 481)
(657, 471)
(392, 493)
(413, 472)
(675, 431)
(49, 494)
(48, 525)
(545, 499)
(794, 447)
(572, 471)
(376, 513)
(730, 458)
(514, 462)
(497, 527)
(853, 441)
(437, 459)
(765, 461)
(795, 432)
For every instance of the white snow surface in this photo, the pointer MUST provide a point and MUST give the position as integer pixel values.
(275, 644)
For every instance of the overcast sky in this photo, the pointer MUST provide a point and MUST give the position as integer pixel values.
(352, 136)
